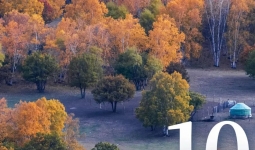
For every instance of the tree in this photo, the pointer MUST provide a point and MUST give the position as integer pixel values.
(4, 119)
(197, 101)
(5, 6)
(128, 34)
(216, 13)
(188, 17)
(56, 112)
(30, 7)
(85, 70)
(22, 124)
(152, 65)
(38, 68)
(130, 65)
(149, 14)
(71, 133)
(137, 68)
(237, 31)
(146, 20)
(45, 142)
(167, 103)
(27, 119)
(165, 40)
(134, 6)
(178, 67)
(105, 146)
(250, 65)
(52, 9)
(15, 39)
(113, 90)
(115, 11)
(155, 6)
(89, 11)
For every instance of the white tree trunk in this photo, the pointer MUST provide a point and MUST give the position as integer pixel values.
(217, 12)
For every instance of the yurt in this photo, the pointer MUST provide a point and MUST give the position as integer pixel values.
(240, 110)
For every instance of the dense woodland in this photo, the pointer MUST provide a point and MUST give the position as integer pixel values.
(80, 41)
(170, 31)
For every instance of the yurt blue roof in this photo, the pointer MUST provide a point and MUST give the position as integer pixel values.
(240, 106)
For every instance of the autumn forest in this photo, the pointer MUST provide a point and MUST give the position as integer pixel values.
(97, 44)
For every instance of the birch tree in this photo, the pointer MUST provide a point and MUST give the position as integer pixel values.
(237, 31)
(217, 12)
(15, 39)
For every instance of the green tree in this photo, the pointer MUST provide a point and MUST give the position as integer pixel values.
(113, 90)
(146, 20)
(105, 146)
(5, 72)
(250, 65)
(38, 68)
(85, 70)
(197, 101)
(172, 67)
(45, 142)
(167, 103)
(152, 65)
(155, 6)
(116, 11)
(130, 65)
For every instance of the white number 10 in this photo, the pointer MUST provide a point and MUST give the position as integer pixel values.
(212, 140)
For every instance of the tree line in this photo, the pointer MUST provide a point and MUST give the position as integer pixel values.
(170, 31)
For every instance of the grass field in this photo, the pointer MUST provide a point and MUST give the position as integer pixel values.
(123, 129)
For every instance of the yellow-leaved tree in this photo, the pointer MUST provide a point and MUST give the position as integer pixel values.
(167, 103)
(165, 40)
(56, 112)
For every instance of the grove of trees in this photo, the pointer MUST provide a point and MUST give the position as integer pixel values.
(42, 124)
(169, 31)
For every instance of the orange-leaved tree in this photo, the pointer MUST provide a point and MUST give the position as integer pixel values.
(27, 120)
(86, 11)
(15, 39)
(4, 119)
(127, 33)
(237, 31)
(188, 17)
(31, 7)
(165, 40)
(22, 123)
